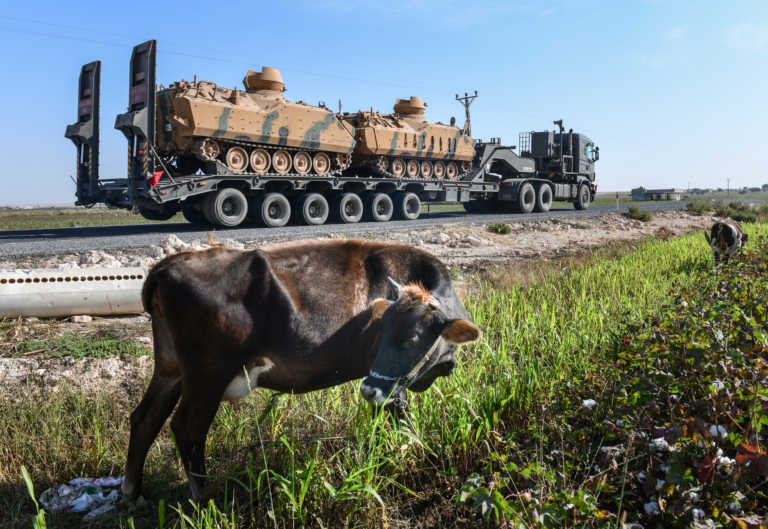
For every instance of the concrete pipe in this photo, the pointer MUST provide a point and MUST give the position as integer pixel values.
(96, 291)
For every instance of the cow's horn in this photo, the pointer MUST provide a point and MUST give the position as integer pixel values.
(396, 288)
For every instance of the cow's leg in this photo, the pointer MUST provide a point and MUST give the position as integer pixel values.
(190, 426)
(146, 420)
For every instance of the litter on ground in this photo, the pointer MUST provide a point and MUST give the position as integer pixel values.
(92, 495)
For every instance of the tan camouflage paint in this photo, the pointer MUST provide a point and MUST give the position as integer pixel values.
(204, 110)
(408, 133)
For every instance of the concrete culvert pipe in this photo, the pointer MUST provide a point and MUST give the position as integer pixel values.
(51, 293)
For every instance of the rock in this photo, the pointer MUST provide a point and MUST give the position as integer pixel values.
(81, 318)
(441, 238)
(156, 252)
(146, 340)
(233, 244)
(473, 240)
(176, 243)
(67, 266)
(91, 258)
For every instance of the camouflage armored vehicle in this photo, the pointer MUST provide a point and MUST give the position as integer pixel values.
(252, 131)
(405, 145)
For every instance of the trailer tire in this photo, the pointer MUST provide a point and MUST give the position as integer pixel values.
(347, 208)
(379, 207)
(543, 198)
(526, 198)
(226, 207)
(407, 206)
(582, 198)
(312, 209)
(274, 210)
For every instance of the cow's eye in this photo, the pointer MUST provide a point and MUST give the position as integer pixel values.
(413, 340)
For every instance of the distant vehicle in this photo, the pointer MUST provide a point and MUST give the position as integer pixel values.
(225, 156)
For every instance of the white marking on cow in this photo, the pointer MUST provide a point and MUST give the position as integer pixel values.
(242, 385)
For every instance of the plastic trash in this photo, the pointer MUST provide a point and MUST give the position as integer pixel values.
(83, 495)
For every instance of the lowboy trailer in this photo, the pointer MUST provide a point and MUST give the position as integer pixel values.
(545, 167)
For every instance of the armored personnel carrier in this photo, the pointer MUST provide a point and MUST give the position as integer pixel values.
(405, 145)
(252, 131)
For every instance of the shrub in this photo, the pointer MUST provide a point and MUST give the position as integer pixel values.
(500, 227)
(698, 207)
(638, 214)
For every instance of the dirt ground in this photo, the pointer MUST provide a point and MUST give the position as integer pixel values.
(465, 248)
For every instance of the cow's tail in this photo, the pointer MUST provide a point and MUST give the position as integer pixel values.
(150, 285)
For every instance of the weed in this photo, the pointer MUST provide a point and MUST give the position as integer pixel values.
(500, 227)
(698, 207)
(638, 214)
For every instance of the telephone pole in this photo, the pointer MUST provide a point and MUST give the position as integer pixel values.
(466, 101)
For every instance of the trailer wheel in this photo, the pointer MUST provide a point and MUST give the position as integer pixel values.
(312, 209)
(543, 198)
(226, 207)
(274, 210)
(582, 199)
(526, 198)
(162, 212)
(379, 207)
(347, 208)
(407, 206)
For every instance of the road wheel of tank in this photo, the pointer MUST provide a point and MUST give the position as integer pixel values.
(312, 209)
(439, 170)
(397, 167)
(543, 197)
(226, 207)
(321, 163)
(207, 149)
(582, 198)
(302, 162)
(274, 210)
(343, 159)
(260, 161)
(526, 198)
(347, 208)
(425, 168)
(451, 171)
(466, 167)
(161, 212)
(237, 159)
(379, 207)
(281, 162)
(407, 206)
(412, 168)
(194, 215)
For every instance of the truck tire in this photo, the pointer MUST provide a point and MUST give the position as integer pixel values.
(526, 198)
(194, 215)
(379, 207)
(582, 198)
(162, 212)
(543, 197)
(347, 208)
(226, 207)
(312, 209)
(274, 210)
(407, 206)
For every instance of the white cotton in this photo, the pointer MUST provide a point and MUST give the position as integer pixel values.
(589, 403)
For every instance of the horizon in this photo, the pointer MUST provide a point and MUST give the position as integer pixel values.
(668, 96)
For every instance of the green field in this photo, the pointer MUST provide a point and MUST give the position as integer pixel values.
(663, 344)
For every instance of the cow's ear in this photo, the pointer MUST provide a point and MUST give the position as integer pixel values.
(706, 236)
(378, 307)
(461, 331)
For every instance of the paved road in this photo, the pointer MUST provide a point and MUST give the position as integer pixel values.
(63, 240)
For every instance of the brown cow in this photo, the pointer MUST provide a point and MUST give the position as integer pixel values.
(292, 318)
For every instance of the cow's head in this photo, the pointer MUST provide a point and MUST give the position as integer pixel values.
(726, 240)
(416, 345)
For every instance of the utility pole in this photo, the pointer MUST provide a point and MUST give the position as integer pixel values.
(727, 186)
(466, 101)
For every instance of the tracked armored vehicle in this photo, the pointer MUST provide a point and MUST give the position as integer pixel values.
(255, 130)
(405, 145)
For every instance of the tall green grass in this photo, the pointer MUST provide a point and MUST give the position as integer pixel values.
(323, 459)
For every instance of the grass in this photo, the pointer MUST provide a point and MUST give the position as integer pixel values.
(639, 214)
(735, 210)
(500, 227)
(44, 218)
(505, 438)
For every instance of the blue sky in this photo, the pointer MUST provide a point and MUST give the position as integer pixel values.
(673, 92)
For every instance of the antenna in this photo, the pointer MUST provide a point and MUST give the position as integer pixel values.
(466, 101)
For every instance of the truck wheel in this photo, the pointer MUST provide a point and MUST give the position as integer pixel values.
(226, 207)
(582, 199)
(379, 207)
(274, 210)
(347, 208)
(194, 215)
(161, 212)
(407, 206)
(526, 198)
(312, 209)
(543, 198)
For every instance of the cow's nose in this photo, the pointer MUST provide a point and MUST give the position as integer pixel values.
(372, 394)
